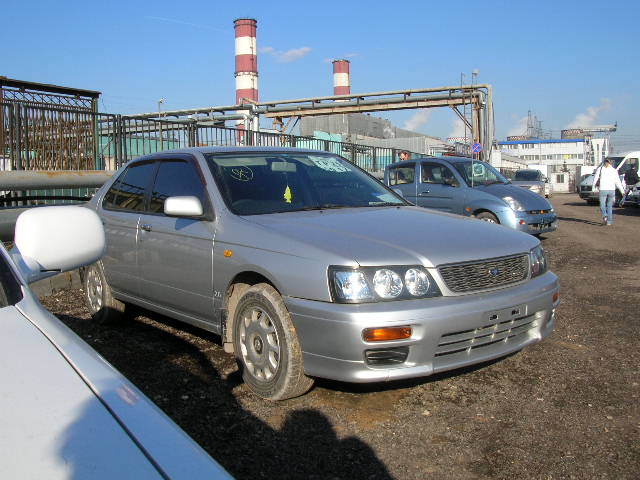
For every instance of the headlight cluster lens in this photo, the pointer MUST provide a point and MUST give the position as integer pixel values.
(374, 284)
(538, 261)
(514, 204)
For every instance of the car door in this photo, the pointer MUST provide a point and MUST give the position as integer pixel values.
(402, 180)
(175, 254)
(439, 188)
(120, 212)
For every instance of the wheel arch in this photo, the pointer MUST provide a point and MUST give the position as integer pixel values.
(237, 286)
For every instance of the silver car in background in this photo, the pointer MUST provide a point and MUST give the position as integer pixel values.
(306, 266)
(64, 411)
(533, 180)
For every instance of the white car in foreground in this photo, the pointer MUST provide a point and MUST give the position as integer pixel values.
(64, 411)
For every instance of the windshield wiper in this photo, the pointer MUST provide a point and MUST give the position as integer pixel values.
(493, 182)
(384, 204)
(324, 206)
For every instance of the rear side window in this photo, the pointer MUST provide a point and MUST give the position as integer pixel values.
(127, 193)
(402, 175)
(176, 178)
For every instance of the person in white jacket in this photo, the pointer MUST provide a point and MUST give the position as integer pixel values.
(609, 181)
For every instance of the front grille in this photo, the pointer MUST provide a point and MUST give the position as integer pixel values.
(469, 341)
(498, 272)
(584, 188)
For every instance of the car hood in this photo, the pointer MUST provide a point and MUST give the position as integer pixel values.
(66, 413)
(523, 183)
(528, 199)
(394, 236)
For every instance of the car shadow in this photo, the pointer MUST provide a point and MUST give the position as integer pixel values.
(182, 369)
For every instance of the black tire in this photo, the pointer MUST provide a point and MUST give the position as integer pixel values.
(487, 217)
(266, 345)
(98, 296)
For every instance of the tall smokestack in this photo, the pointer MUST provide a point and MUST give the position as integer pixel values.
(341, 82)
(246, 60)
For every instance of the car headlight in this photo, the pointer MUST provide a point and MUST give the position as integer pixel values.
(535, 188)
(379, 284)
(537, 261)
(514, 204)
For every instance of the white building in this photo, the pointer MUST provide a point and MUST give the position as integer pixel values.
(561, 156)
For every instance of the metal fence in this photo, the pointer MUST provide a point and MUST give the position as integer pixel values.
(48, 138)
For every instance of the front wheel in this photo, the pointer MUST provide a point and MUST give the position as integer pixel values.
(487, 217)
(98, 296)
(266, 345)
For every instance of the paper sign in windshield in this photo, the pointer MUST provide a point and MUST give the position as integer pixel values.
(242, 174)
(329, 164)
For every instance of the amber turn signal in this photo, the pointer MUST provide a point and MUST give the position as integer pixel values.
(384, 334)
(556, 297)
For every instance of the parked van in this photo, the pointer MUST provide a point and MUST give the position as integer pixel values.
(621, 162)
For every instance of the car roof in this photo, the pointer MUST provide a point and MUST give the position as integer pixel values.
(232, 149)
(449, 159)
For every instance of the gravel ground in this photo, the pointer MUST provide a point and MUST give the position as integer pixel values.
(565, 408)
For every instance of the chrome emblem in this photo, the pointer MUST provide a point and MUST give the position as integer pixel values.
(494, 272)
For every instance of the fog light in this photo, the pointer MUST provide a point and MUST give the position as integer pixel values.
(385, 334)
(386, 356)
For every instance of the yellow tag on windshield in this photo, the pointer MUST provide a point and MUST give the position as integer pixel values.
(287, 194)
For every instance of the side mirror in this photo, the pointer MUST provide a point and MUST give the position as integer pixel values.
(183, 207)
(51, 240)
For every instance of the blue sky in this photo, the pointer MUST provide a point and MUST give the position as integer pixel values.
(566, 61)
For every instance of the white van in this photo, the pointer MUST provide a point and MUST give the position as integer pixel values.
(621, 162)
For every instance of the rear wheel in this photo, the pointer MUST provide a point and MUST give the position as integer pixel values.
(266, 345)
(98, 295)
(487, 217)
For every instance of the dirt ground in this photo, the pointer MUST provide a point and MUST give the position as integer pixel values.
(568, 407)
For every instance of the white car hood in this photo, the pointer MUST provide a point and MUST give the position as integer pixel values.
(396, 235)
(53, 425)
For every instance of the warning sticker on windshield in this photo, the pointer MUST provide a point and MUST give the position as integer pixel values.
(330, 164)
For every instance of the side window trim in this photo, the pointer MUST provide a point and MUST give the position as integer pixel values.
(119, 180)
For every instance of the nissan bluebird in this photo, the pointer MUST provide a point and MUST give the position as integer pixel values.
(306, 266)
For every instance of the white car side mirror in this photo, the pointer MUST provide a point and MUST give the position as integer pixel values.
(183, 206)
(51, 240)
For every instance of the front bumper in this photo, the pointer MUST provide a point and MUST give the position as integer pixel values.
(532, 223)
(447, 332)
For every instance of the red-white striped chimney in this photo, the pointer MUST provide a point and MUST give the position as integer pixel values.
(341, 82)
(246, 60)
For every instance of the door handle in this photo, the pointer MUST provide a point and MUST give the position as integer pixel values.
(146, 227)
(426, 192)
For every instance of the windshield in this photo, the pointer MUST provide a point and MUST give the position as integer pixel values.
(10, 292)
(527, 176)
(265, 182)
(479, 173)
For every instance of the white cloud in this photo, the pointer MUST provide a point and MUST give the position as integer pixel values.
(520, 128)
(458, 129)
(288, 56)
(589, 117)
(417, 120)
